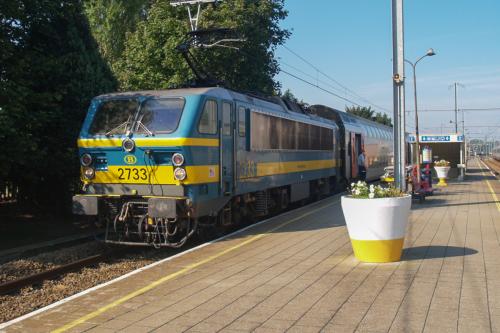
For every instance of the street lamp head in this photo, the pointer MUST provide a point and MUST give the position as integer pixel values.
(430, 52)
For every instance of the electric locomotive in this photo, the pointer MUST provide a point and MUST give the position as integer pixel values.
(157, 166)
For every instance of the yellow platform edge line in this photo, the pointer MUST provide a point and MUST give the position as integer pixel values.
(182, 271)
(495, 198)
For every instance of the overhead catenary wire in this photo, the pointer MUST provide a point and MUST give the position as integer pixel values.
(340, 91)
(319, 87)
(463, 109)
(346, 89)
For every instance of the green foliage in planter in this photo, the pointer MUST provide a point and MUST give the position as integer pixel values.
(361, 190)
(442, 163)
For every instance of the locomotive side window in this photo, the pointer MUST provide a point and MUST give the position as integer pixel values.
(208, 119)
(114, 116)
(303, 136)
(275, 132)
(242, 121)
(161, 115)
(268, 132)
(315, 134)
(287, 137)
(260, 127)
(226, 118)
(326, 139)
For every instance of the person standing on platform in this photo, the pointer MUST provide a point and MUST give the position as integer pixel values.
(362, 165)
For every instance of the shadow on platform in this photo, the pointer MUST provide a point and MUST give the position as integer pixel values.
(469, 171)
(438, 193)
(433, 252)
(444, 203)
(487, 176)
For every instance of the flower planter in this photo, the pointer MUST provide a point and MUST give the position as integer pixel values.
(442, 173)
(377, 226)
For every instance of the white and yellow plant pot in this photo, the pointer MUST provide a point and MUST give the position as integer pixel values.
(377, 226)
(442, 173)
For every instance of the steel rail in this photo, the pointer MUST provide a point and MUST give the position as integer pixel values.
(493, 164)
(52, 273)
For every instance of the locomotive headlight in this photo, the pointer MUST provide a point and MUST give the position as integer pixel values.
(128, 145)
(86, 160)
(177, 159)
(179, 174)
(88, 172)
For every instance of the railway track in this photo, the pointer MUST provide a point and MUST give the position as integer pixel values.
(23, 251)
(37, 278)
(494, 166)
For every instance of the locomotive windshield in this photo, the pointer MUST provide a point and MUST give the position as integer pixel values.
(160, 115)
(116, 117)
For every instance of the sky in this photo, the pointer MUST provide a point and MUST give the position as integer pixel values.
(350, 41)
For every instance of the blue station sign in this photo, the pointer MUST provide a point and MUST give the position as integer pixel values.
(437, 138)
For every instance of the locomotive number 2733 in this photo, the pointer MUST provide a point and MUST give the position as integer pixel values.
(133, 173)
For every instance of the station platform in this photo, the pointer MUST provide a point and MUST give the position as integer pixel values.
(297, 273)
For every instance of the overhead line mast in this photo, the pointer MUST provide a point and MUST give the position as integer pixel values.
(399, 94)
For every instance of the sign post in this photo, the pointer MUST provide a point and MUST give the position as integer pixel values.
(398, 94)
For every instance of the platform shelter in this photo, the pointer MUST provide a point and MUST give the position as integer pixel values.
(450, 147)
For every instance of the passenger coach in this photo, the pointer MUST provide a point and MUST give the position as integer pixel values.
(356, 133)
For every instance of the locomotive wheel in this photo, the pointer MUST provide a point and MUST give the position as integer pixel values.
(211, 230)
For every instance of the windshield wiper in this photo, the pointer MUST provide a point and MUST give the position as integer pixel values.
(117, 128)
(140, 125)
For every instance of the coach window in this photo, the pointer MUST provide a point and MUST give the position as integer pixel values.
(208, 119)
(242, 127)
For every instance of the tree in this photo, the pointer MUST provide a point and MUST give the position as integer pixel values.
(383, 118)
(361, 111)
(291, 97)
(50, 72)
(151, 61)
(111, 21)
(368, 113)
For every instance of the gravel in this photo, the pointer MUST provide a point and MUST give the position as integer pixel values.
(34, 297)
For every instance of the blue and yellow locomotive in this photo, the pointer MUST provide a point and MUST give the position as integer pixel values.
(159, 165)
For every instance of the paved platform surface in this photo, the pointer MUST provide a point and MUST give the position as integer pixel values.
(297, 273)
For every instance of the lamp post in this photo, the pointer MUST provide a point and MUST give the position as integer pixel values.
(429, 53)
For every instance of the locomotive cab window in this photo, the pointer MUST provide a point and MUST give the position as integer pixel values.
(208, 119)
